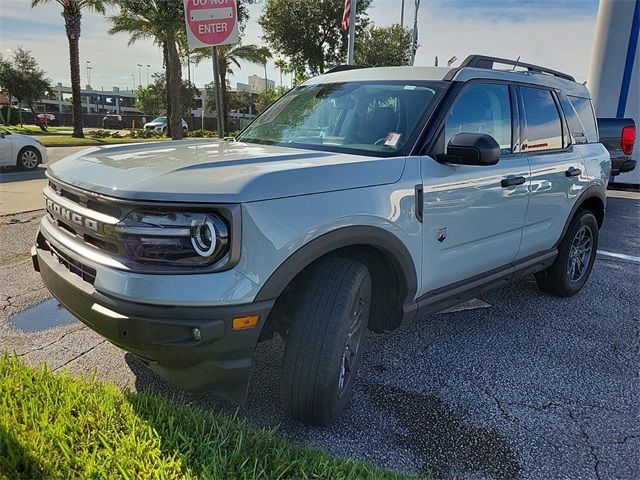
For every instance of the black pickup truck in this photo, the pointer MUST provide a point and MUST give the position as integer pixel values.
(618, 135)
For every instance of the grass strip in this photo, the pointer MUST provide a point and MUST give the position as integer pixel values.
(61, 426)
(62, 141)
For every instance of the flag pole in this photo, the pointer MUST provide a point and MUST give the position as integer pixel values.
(414, 45)
(352, 32)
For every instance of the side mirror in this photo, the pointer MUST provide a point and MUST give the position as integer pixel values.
(471, 149)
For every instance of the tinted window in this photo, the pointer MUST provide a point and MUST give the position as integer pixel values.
(585, 114)
(482, 109)
(576, 129)
(544, 128)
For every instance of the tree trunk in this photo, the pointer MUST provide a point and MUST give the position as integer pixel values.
(20, 113)
(9, 110)
(72, 18)
(167, 89)
(174, 84)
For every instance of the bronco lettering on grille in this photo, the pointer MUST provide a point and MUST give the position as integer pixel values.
(60, 211)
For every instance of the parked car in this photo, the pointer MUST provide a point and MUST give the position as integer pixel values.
(159, 124)
(363, 198)
(112, 120)
(22, 151)
(618, 135)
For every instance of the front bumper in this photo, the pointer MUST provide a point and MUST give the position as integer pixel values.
(164, 337)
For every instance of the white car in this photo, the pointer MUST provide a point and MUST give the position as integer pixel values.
(23, 151)
(159, 124)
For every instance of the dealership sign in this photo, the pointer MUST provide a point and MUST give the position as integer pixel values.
(211, 22)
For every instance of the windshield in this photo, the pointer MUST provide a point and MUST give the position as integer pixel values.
(160, 120)
(374, 117)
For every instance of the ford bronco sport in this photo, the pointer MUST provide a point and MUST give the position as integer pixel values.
(364, 198)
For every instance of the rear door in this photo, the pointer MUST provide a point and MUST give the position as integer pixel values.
(472, 220)
(557, 169)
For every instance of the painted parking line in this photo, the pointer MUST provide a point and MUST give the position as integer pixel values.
(621, 256)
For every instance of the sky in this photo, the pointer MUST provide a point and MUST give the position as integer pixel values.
(554, 33)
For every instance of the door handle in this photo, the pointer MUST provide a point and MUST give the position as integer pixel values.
(573, 172)
(512, 181)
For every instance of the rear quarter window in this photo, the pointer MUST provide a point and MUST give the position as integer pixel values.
(544, 127)
(584, 109)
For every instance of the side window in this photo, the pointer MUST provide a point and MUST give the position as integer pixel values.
(482, 108)
(576, 128)
(544, 128)
(585, 114)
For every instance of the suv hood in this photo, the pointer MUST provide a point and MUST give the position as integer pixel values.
(219, 171)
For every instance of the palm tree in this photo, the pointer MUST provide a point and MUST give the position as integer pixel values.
(282, 66)
(265, 55)
(163, 22)
(72, 13)
(228, 56)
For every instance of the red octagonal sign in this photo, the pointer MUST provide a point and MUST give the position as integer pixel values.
(211, 22)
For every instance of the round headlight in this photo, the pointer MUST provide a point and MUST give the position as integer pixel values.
(205, 238)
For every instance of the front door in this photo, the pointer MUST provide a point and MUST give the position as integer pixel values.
(472, 219)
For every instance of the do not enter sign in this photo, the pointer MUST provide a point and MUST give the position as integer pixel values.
(211, 22)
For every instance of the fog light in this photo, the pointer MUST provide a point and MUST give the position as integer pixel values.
(196, 334)
(242, 323)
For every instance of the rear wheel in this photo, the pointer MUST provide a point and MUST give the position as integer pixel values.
(576, 254)
(324, 341)
(28, 158)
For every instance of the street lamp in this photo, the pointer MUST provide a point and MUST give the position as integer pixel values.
(89, 73)
(139, 74)
(133, 80)
(148, 75)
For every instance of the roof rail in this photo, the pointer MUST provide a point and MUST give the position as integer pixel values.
(483, 61)
(342, 68)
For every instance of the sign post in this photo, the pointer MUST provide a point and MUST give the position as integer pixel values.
(211, 23)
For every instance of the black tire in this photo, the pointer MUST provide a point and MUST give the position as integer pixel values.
(28, 158)
(336, 291)
(558, 279)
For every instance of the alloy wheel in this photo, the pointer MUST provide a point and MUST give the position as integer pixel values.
(580, 253)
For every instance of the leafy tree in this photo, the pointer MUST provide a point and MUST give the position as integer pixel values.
(228, 57)
(384, 46)
(267, 97)
(72, 14)
(308, 32)
(243, 102)
(163, 22)
(22, 80)
(152, 100)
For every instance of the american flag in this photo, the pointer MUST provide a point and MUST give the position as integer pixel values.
(346, 15)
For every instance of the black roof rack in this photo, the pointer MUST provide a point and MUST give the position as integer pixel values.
(342, 68)
(483, 61)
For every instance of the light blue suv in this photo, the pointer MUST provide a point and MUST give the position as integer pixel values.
(364, 198)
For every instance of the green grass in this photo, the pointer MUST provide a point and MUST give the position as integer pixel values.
(60, 141)
(61, 426)
(35, 130)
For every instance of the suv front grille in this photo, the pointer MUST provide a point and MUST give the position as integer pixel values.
(85, 272)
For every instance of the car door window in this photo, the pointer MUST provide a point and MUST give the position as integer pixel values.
(544, 127)
(577, 130)
(482, 108)
(584, 109)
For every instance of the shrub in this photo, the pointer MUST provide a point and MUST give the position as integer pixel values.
(141, 133)
(99, 133)
(200, 133)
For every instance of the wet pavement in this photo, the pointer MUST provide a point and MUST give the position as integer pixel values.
(529, 386)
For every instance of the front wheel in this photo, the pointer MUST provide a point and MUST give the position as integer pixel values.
(576, 254)
(28, 158)
(324, 341)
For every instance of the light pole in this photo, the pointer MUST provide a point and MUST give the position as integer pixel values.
(139, 74)
(133, 80)
(414, 44)
(89, 73)
(148, 75)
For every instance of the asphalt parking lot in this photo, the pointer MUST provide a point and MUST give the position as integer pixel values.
(530, 386)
